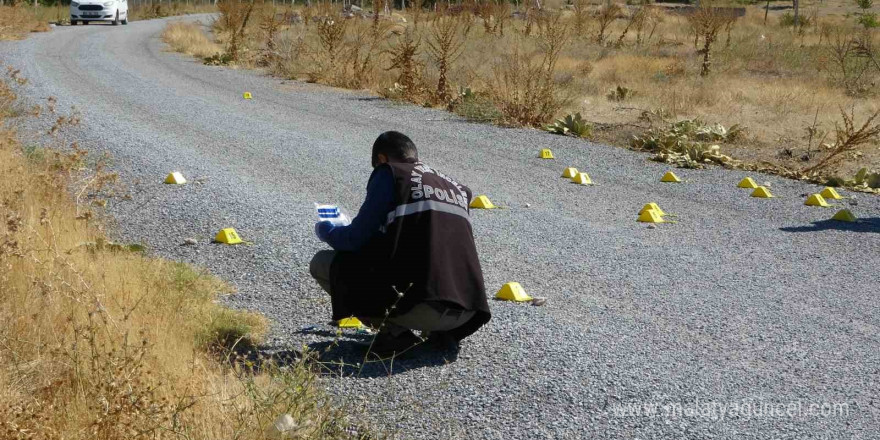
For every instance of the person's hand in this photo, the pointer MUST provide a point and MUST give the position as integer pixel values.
(322, 230)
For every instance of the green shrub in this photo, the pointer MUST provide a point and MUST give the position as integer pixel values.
(787, 20)
(869, 20)
(685, 143)
(571, 125)
(475, 107)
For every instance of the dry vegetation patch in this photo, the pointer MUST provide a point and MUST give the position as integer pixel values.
(783, 84)
(99, 341)
(17, 21)
(189, 38)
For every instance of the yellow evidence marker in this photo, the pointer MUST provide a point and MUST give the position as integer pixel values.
(650, 216)
(546, 154)
(227, 236)
(844, 215)
(569, 172)
(670, 177)
(762, 192)
(482, 202)
(175, 178)
(247, 95)
(652, 206)
(582, 179)
(830, 193)
(748, 182)
(513, 292)
(816, 200)
(349, 323)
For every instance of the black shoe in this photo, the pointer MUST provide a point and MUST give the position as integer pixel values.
(442, 341)
(385, 345)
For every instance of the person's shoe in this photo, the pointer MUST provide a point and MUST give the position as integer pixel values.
(386, 345)
(442, 341)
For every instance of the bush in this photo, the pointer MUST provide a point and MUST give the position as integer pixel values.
(787, 20)
(869, 20)
(476, 107)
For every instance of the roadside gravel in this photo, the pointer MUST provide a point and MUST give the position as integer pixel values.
(743, 300)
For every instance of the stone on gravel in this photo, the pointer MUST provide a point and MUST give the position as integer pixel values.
(283, 427)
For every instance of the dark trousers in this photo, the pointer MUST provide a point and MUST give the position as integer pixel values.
(427, 316)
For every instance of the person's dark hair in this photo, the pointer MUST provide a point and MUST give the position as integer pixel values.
(396, 146)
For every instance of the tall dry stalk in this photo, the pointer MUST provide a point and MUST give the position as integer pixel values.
(525, 89)
(852, 59)
(637, 20)
(848, 137)
(270, 24)
(445, 47)
(580, 16)
(404, 59)
(331, 33)
(377, 6)
(238, 31)
(554, 37)
(416, 8)
(485, 10)
(501, 16)
(361, 55)
(707, 21)
(607, 14)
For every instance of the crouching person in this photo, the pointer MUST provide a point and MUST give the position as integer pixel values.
(408, 258)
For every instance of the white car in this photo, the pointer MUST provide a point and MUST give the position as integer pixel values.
(84, 11)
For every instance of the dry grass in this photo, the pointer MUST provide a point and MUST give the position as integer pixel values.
(189, 38)
(779, 82)
(16, 22)
(148, 10)
(101, 342)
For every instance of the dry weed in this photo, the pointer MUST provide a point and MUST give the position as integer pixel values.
(189, 38)
(18, 20)
(762, 75)
(444, 47)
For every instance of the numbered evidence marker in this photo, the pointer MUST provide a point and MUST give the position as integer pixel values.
(651, 213)
(747, 182)
(175, 178)
(351, 322)
(227, 236)
(247, 95)
(816, 200)
(670, 177)
(844, 215)
(546, 154)
(650, 216)
(652, 206)
(482, 202)
(582, 179)
(762, 192)
(513, 292)
(569, 172)
(830, 193)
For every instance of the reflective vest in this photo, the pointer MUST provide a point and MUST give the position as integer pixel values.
(425, 252)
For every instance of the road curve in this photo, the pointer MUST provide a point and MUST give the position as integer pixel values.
(734, 322)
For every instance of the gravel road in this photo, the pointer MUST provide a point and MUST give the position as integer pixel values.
(748, 318)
